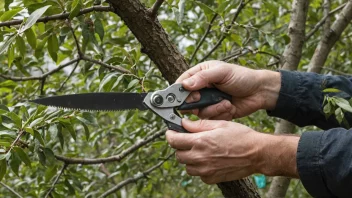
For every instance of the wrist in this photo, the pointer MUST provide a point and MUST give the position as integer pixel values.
(270, 84)
(277, 155)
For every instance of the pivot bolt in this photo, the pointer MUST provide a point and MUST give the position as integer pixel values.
(157, 100)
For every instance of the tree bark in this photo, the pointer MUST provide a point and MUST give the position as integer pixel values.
(171, 63)
(330, 38)
(292, 56)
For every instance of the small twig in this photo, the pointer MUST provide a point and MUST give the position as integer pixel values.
(56, 180)
(203, 37)
(68, 77)
(117, 68)
(336, 71)
(115, 158)
(80, 54)
(237, 13)
(135, 178)
(322, 21)
(10, 189)
(14, 78)
(155, 8)
(62, 16)
(42, 84)
(16, 140)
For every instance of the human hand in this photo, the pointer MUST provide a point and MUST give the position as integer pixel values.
(251, 90)
(226, 151)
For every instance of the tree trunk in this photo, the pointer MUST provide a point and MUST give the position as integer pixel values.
(171, 63)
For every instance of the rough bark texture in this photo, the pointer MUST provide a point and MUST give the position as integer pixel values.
(152, 36)
(292, 55)
(171, 63)
(330, 38)
(244, 188)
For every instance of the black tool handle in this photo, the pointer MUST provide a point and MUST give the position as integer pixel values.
(208, 96)
(175, 127)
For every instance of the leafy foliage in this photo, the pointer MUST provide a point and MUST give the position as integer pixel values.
(33, 63)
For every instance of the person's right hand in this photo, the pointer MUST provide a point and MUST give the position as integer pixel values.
(251, 90)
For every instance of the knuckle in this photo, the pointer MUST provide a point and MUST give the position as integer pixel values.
(207, 180)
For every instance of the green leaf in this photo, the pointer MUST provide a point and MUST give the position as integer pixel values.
(327, 108)
(15, 163)
(10, 55)
(31, 37)
(132, 83)
(108, 78)
(42, 158)
(206, 9)
(4, 156)
(17, 120)
(50, 173)
(181, 11)
(50, 157)
(29, 130)
(92, 119)
(70, 129)
(331, 90)
(36, 122)
(3, 167)
(99, 28)
(9, 14)
(60, 136)
(53, 46)
(4, 46)
(75, 8)
(39, 137)
(86, 131)
(23, 156)
(270, 40)
(344, 104)
(21, 46)
(32, 19)
(339, 115)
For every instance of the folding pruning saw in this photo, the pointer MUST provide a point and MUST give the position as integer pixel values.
(162, 102)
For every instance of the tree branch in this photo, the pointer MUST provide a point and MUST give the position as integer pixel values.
(115, 158)
(117, 68)
(329, 38)
(11, 190)
(322, 21)
(135, 178)
(68, 77)
(56, 180)
(237, 13)
(291, 58)
(203, 37)
(155, 8)
(16, 140)
(14, 78)
(62, 16)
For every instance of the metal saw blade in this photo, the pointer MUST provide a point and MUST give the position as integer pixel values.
(96, 101)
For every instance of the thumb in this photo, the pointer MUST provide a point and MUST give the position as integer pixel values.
(201, 125)
(202, 79)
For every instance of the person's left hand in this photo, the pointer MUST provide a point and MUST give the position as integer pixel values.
(223, 151)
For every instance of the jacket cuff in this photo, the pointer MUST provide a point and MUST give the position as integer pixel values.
(309, 164)
(287, 102)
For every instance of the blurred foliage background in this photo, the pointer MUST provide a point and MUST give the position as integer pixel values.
(85, 53)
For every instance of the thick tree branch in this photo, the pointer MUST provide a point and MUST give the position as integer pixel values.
(135, 178)
(117, 68)
(330, 37)
(322, 21)
(115, 158)
(163, 53)
(291, 58)
(222, 38)
(203, 37)
(56, 180)
(11, 190)
(62, 16)
(155, 8)
(14, 78)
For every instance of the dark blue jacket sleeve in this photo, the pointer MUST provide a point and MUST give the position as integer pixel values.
(301, 98)
(324, 159)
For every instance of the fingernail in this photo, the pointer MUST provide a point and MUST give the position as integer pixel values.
(189, 82)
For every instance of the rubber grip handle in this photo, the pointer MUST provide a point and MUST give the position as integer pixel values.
(208, 96)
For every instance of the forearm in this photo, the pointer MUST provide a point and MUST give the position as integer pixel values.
(277, 155)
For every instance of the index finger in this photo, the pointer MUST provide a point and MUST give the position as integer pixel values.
(188, 73)
(180, 141)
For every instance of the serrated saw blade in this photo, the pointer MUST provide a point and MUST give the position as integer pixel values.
(96, 101)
